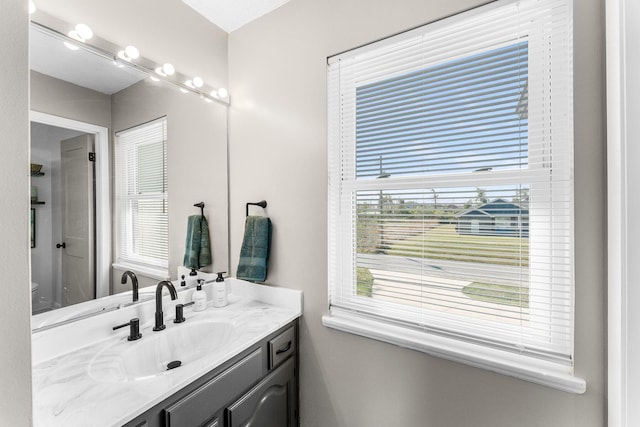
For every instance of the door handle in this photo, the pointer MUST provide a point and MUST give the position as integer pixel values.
(61, 245)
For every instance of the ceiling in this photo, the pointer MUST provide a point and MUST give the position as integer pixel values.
(233, 14)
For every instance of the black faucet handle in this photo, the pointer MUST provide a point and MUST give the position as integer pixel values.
(134, 329)
(180, 312)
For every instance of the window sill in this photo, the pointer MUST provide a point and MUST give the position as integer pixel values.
(537, 371)
(139, 269)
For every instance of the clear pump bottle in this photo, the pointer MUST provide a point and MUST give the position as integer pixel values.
(192, 278)
(220, 291)
(199, 298)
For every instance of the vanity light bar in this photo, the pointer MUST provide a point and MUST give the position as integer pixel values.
(130, 57)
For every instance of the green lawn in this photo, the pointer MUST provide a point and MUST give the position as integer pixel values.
(501, 294)
(364, 282)
(443, 242)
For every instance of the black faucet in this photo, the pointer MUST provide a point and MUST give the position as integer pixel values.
(159, 315)
(134, 282)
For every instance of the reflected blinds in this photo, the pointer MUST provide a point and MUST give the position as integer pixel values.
(451, 193)
(141, 194)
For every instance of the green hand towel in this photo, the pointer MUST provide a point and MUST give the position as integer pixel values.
(197, 253)
(254, 255)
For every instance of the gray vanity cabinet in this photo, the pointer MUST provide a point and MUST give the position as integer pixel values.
(271, 403)
(257, 388)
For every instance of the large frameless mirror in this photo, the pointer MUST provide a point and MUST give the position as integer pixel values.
(81, 102)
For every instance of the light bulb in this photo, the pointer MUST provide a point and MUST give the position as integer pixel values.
(197, 81)
(223, 93)
(74, 35)
(190, 84)
(168, 69)
(129, 53)
(84, 31)
(32, 7)
(214, 93)
(132, 52)
(71, 46)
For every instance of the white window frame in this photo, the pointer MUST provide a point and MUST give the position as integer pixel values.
(151, 267)
(623, 107)
(342, 263)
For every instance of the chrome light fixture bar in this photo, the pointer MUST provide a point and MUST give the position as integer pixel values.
(123, 58)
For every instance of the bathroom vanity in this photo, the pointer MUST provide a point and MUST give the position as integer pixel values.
(228, 365)
(258, 385)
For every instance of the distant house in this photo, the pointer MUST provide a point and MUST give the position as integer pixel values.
(496, 218)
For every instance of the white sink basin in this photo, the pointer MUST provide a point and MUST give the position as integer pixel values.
(149, 357)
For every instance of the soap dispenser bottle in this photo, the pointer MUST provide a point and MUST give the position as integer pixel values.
(220, 291)
(192, 279)
(199, 298)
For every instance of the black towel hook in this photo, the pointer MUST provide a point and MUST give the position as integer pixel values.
(261, 203)
(201, 206)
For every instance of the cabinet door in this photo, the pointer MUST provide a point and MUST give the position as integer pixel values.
(202, 404)
(271, 403)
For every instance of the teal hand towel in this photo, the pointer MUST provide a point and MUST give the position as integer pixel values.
(197, 252)
(254, 255)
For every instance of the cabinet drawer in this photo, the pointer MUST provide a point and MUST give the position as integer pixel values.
(199, 406)
(281, 347)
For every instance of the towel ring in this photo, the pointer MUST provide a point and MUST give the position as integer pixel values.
(261, 203)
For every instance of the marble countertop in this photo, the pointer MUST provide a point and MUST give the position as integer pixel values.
(65, 393)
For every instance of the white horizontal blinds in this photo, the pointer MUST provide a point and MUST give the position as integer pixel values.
(451, 178)
(142, 193)
(455, 117)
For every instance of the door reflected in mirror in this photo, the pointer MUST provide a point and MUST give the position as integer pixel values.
(66, 210)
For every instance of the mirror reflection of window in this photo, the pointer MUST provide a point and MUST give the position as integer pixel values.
(141, 195)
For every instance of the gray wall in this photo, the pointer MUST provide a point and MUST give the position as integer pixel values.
(15, 330)
(59, 98)
(278, 150)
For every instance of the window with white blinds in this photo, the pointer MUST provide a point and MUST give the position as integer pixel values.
(451, 192)
(141, 195)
